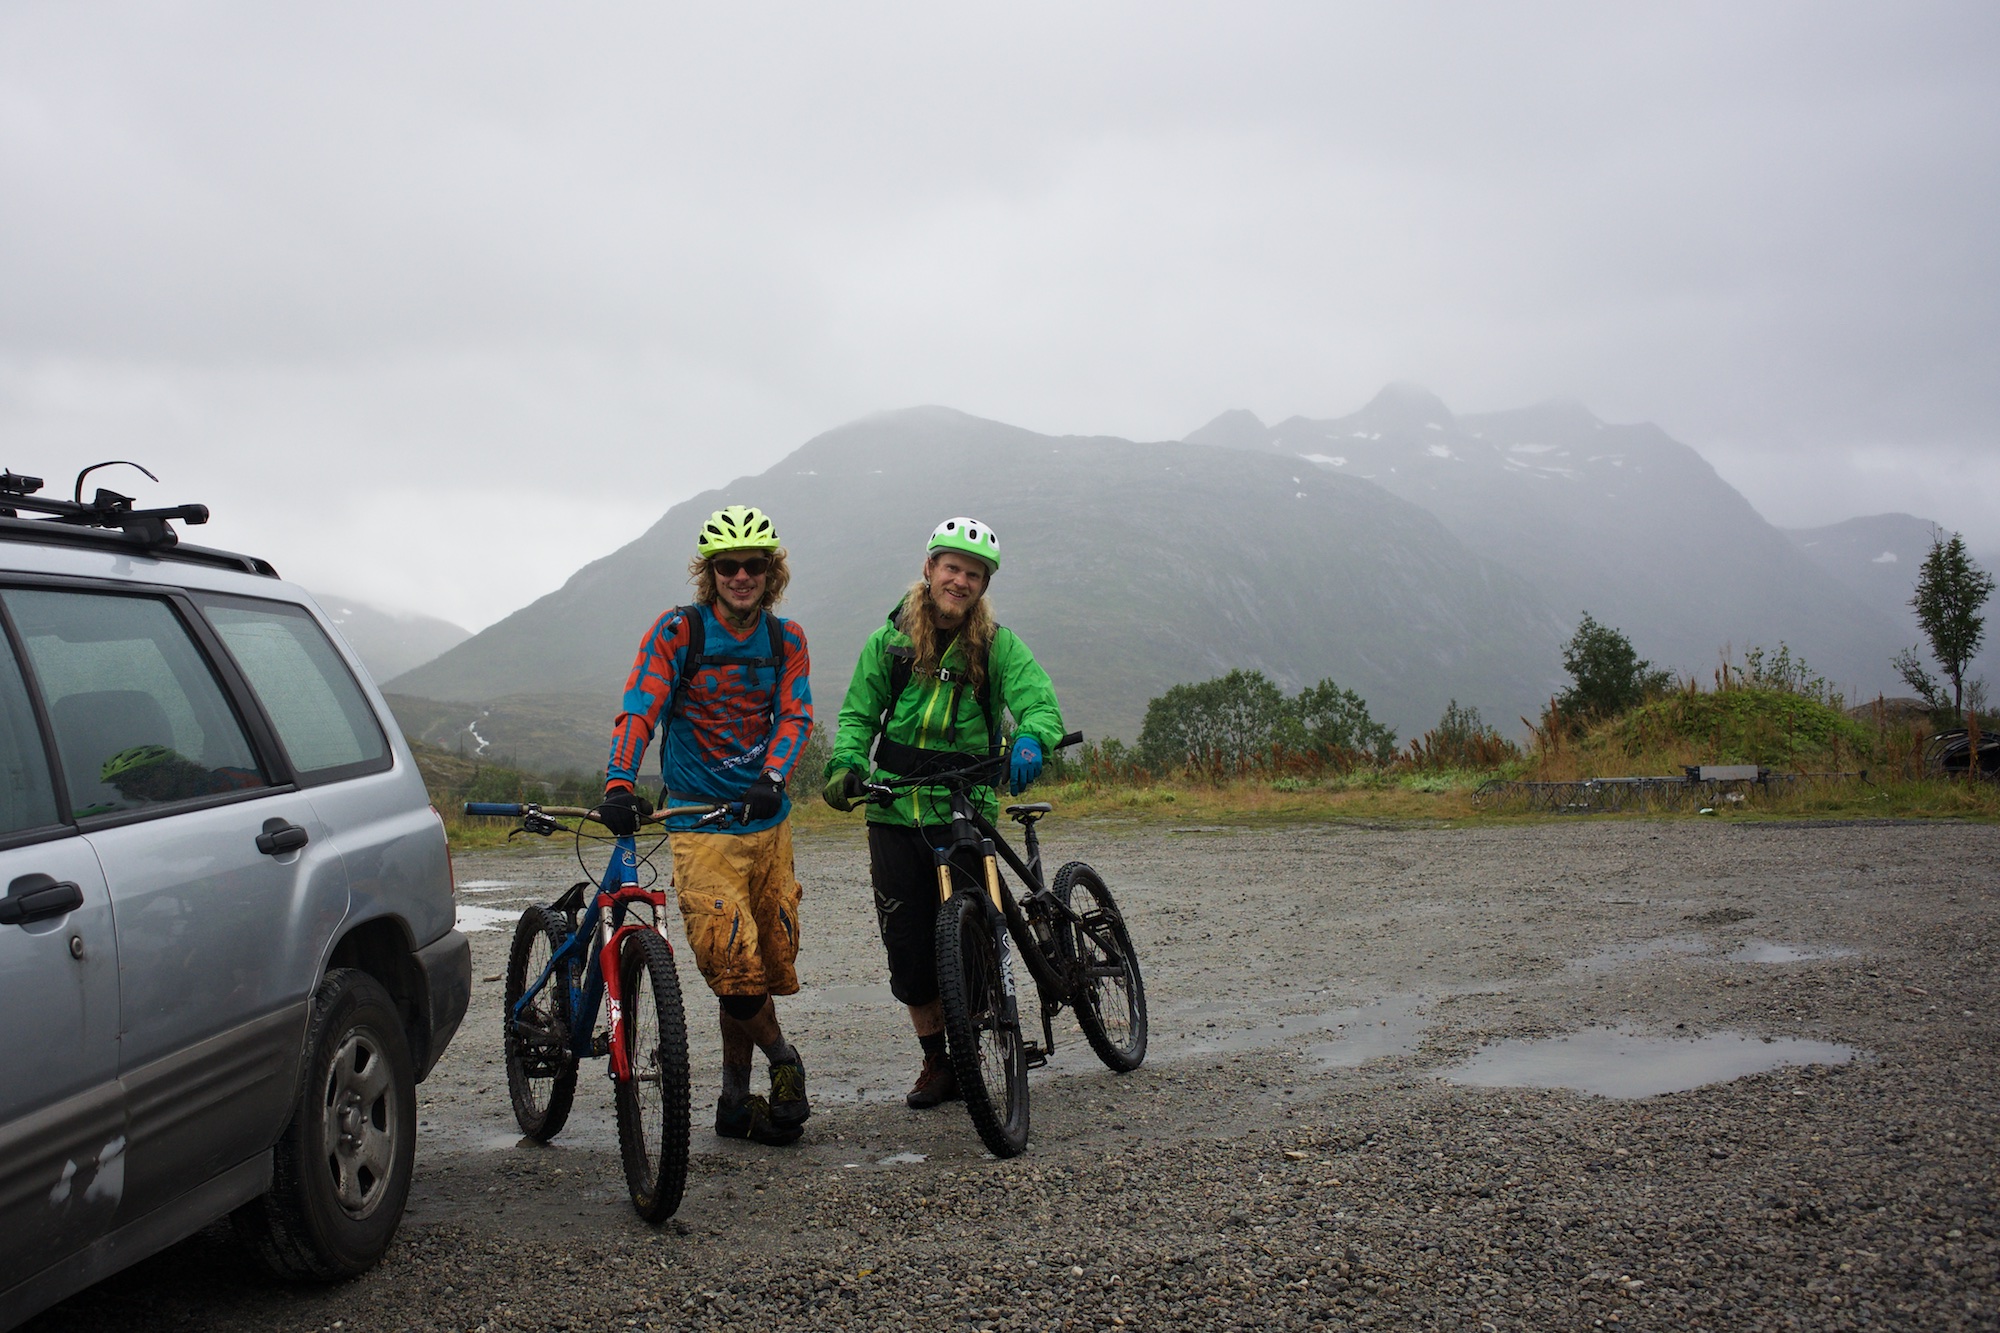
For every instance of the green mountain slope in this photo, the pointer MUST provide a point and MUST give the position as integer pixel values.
(1128, 568)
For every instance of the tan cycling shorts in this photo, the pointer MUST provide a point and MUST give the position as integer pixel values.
(740, 903)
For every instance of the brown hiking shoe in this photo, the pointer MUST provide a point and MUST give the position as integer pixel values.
(935, 1084)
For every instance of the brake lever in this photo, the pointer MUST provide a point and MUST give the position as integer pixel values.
(536, 822)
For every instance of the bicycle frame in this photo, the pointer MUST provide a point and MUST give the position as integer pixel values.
(972, 831)
(596, 942)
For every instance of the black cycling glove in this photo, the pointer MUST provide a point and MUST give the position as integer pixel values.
(764, 798)
(623, 811)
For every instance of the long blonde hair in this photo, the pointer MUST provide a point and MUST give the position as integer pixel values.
(702, 575)
(917, 617)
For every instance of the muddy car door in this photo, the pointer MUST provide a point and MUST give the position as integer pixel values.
(225, 887)
(62, 1117)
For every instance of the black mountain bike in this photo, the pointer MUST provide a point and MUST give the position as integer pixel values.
(1071, 935)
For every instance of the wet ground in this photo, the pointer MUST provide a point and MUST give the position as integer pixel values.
(1566, 1074)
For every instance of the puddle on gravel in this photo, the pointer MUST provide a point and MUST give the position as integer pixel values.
(1388, 1026)
(818, 999)
(1667, 946)
(1664, 947)
(1612, 1063)
(1758, 952)
(486, 885)
(904, 1159)
(486, 918)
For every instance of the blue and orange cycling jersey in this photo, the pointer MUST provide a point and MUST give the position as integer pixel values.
(725, 736)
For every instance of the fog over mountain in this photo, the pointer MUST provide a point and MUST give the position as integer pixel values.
(1128, 567)
(1879, 557)
(1618, 520)
(1407, 552)
(390, 642)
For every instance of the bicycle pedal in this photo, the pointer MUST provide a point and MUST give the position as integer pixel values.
(1037, 1056)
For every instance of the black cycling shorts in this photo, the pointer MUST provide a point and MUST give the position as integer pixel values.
(904, 870)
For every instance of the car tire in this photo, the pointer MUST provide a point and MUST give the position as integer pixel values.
(341, 1173)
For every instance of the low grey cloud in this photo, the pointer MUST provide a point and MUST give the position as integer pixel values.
(432, 304)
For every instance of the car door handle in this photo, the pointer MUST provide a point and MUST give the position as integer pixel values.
(36, 898)
(280, 837)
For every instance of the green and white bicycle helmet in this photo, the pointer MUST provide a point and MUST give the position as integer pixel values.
(968, 535)
(737, 528)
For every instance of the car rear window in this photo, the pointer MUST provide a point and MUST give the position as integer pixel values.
(321, 717)
(27, 793)
(139, 717)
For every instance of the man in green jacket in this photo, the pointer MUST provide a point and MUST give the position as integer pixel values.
(932, 684)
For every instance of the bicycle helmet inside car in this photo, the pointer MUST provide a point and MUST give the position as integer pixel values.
(736, 528)
(126, 762)
(968, 535)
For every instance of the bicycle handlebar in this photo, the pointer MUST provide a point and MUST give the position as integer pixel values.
(516, 809)
(881, 793)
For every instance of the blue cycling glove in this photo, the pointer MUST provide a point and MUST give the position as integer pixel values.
(1024, 765)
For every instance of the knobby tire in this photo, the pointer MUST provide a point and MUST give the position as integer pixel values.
(989, 1061)
(541, 1070)
(653, 1101)
(1107, 992)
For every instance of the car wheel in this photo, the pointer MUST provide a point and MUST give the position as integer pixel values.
(340, 1175)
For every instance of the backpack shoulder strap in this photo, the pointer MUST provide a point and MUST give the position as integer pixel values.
(774, 635)
(691, 659)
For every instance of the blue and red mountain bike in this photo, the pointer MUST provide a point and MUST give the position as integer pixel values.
(590, 948)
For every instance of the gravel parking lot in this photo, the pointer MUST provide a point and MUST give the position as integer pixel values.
(1365, 1103)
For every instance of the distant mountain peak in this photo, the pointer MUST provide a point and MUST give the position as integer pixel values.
(1238, 428)
(1405, 407)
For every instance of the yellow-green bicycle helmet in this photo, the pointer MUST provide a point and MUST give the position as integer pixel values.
(736, 528)
(131, 761)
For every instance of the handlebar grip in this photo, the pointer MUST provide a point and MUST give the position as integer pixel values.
(1074, 738)
(501, 809)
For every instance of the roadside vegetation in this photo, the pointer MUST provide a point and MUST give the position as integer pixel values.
(1238, 748)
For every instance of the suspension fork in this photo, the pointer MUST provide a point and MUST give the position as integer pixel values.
(995, 915)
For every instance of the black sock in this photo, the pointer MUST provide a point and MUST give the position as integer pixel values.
(735, 1084)
(933, 1044)
(780, 1052)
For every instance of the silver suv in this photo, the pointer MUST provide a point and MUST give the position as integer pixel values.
(227, 953)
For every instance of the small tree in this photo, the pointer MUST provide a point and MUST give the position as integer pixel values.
(1229, 721)
(1950, 591)
(1606, 675)
(1333, 721)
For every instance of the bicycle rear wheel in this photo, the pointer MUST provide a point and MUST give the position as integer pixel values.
(541, 1071)
(987, 1056)
(653, 1101)
(1107, 993)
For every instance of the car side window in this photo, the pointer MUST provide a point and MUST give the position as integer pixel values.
(139, 717)
(27, 793)
(321, 717)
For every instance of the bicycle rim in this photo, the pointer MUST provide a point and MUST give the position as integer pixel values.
(541, 1072)
(987, 1057)
(1108, 993)
(653, 1100)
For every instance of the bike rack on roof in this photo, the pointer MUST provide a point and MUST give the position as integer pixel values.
(109, 520)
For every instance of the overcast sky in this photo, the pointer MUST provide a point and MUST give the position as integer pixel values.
(432, 303)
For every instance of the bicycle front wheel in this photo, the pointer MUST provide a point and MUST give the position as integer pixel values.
(987, 1056)
(541, 1071)
(1106, 991)
(653, 1099)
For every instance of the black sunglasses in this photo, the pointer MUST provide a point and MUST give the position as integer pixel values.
(754, 566)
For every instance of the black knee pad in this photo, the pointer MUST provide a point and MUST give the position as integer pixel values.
(742, 1008)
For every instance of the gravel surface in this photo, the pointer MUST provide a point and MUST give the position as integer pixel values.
(1295, 1150)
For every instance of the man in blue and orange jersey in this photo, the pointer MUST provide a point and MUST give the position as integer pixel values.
(724, 682)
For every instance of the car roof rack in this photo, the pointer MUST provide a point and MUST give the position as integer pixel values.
(109, 521)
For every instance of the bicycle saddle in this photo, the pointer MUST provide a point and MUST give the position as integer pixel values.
(1026, 813)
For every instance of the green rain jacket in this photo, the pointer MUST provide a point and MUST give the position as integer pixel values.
(1016, 684)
